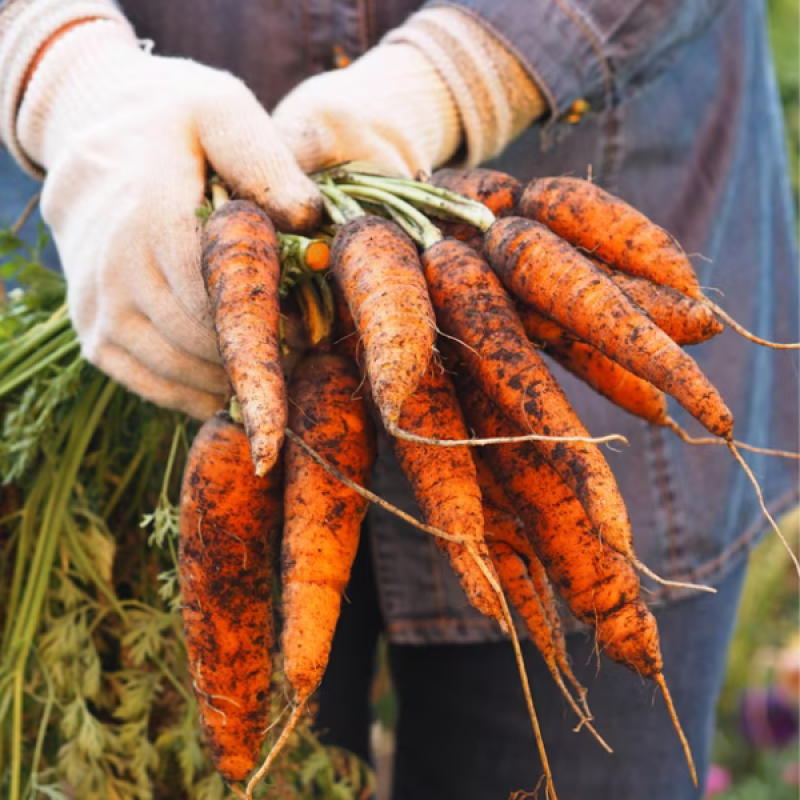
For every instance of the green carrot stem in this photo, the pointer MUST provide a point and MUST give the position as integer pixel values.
(414, 222)
(27, 371)
(123, 482)
(339, 207)
(433, 199)
(33, 339)
(96, 400)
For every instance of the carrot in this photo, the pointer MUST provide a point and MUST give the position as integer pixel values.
(322, 516)
(344, 337)
(378, 269)
(606, 226)
(525, 582)
(445, 484)
(241, 270)
(684, 319)
(228, 521)
(547, 273)
(599, 585)
(443, 479)
(611, 229)
(318, 255)
(621, 387)
(498, 191)
(473, 308)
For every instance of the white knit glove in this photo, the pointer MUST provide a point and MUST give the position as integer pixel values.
(440, 86)
(124, 138)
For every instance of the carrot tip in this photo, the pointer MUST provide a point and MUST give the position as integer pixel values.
(645, 570)
(661, 681)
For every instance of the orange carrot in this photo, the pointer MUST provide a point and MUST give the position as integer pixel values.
(318, 256)
(228, 524)
(445, 484)
(524, 580)
(545, 272)
(322, 516)
(621, 387)
(241, 270)
(378, 269)
(473, 308)
(684, 319)
(612, 230)
(600, 587)
(498, 191)
(606, 226)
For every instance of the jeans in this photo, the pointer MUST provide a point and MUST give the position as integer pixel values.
(463, 730)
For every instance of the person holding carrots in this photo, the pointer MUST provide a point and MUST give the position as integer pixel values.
(121, 107)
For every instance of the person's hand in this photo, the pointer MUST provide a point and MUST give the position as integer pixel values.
(437, 88)
(124, 139)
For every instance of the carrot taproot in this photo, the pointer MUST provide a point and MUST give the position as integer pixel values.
(445, 484)
(475, 311)
(322, 516)
(621, 387)
(498, 191)
(617, 384)
(378, 269)
(597, 221)
(229, 518)
(525, 581)
(449, 501)
(545, 272)
(599, 585)
(241, 270)
(613, 230)
(684, 319)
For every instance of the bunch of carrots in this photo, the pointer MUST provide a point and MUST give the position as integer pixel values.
(429, 319)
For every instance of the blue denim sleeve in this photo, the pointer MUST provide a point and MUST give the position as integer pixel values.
(593, 50)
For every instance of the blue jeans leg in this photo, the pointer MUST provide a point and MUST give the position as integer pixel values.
(463, 732)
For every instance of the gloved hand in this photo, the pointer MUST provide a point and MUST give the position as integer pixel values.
(124, 138)
(439, 87)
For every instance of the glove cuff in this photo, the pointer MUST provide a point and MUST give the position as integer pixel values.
(24, 29)
(495, 96)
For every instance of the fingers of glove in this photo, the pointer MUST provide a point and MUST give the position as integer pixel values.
(244, 147)
(332, 136)
(129, 240)
(122, 367)
(125, 328)
(146, 344)
(166, 235)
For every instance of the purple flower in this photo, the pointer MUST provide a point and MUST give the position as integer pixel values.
(768, 717)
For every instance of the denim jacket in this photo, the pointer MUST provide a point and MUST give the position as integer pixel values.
(673, 106)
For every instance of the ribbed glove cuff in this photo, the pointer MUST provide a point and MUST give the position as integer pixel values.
(495, 97)
(21, 40)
